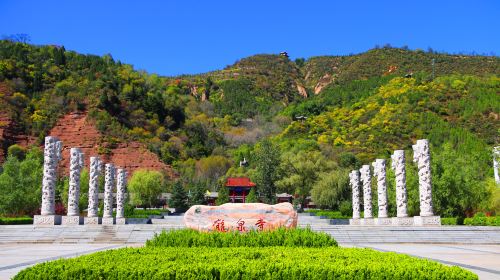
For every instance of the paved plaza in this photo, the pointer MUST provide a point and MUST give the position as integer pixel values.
(474, 248)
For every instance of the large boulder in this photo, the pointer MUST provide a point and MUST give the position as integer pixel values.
(241, 217)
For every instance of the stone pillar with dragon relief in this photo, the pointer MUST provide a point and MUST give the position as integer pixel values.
(93, 208)
(109, 182)
(75, 169)
(354, 182)
(379, 172)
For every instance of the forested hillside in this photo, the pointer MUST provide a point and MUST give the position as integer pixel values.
(354, 109)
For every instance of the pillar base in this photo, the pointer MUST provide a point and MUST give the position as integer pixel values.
(367, 222)
(354, 222)
(402, 221)
(46, 220)
(383, 221)
(121, 221)
(108, 221)
(427, 220)
(91, 220)
(72, 220)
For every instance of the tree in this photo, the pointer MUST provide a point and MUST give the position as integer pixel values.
(302, 170)
(212, 167)
(17, 151)
(252, 196)
(223, 196)
(145, 186)
(267, 169)
(21, 184)
(179, 198)
(197, 193)
(331, 189)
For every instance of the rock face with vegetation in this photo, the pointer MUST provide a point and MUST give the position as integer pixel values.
(316, 119)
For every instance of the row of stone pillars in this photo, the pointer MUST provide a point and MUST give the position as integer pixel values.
(421, 156)
(52, 156)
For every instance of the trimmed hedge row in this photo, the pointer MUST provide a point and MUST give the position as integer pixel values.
(16, 221)
(280, 237)
(481, 220)
(243, 263)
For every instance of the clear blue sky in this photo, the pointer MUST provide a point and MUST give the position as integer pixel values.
(175, 37)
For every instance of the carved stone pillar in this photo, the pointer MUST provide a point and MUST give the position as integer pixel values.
(76, 165)
(422, 156)
(366, 180)
(109, 179)
(398, 162)
(379, 172)
(354, 182)
(121, 183)
(95, 170)
(52, 156)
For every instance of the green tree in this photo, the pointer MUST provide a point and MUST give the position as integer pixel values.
(198, 190)
(331, 189)
(16, 151)
(267, 165)
(21, 184)
(223, 196)
(252, 196)
(179, 198)
(145, 186)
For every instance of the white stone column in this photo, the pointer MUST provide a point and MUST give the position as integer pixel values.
(398, 162)
(76, 165)
(354, 182)
(121, 183)
(422, 156)
(496, 164)
(109, 183)
(379, 172)
(93, 208)
(52, 156)
(366, 180)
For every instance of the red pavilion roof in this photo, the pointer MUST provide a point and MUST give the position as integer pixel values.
(239, 182)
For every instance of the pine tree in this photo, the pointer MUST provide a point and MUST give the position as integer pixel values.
(198, 194)
(252, 197)
(267, 171)
(179, 198)
(223, 196)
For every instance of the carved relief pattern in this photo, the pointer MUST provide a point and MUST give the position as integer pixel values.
(367, 190)
(52, 156)
(354, 180)
(121, 182)
(109, 182)
(379, 172)
(76, 165)
(398, 165)
(95, 171)
(422, 157)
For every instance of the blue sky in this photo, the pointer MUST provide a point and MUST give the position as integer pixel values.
(176, 37)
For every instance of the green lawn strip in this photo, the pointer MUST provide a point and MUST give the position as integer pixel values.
(243, 263)
(16, 221)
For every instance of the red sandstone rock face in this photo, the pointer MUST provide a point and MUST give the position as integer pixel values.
(76, 131)
(241, 217)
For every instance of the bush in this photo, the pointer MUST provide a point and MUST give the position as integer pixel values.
(333, 214)
(16, 221)
(480, 219)
(449, 221)
(279, 237)
(242, 263)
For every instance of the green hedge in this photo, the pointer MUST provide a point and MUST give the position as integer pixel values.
(16, 221)
(332, 214)
(243, 263)
(480, 219)
(449, 221)
(279, 237)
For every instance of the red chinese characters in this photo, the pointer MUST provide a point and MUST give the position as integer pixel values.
(218, 225)
(260, 224)
(241, 226)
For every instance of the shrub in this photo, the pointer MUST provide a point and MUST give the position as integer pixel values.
(279, 237)
(242, 263)
(333, 214)
(16, 221)
(449, 221)
(480, 219)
